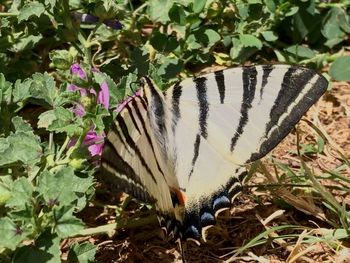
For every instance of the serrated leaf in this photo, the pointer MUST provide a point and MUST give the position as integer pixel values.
(21, 194)
(5, 90)
(66, 224)
(60, 120)
(11, 234)
(26, 43)
(340, 69)
(63, 187)
(29, 10)
(21, 146)
(250, 41)
(169, 68)
(45, 250)
(40, 89)
(128, 85)
(82, 253)
(21, 125)
(21, 90)
(301, 51)
(5, 193)
(43, 87)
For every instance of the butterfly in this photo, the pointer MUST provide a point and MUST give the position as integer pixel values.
(185, 149)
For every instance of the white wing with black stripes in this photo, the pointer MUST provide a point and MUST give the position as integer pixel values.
(185, 149)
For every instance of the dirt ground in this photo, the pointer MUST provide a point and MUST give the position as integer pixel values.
(258, 208)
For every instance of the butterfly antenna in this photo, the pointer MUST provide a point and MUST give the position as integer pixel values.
(182, 247)
(134, 82)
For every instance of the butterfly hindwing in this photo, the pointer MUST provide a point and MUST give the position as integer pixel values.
(188, 146)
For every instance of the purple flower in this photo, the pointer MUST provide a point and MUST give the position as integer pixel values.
(72, 87)
(79, 110)
(77, 70)
(90, 19)
(115, 24)
(103, 95)
(94, 142)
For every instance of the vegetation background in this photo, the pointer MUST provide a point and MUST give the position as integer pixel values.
(65, 66)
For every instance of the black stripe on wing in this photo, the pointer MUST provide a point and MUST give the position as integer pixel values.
(294, 83)
(112, 165)
(249, 86)
(267, 69)
(176, 95)
(202, 118)
(220, 81)
(146, 132)
(133, 145)
(157, 108)
(203, 104)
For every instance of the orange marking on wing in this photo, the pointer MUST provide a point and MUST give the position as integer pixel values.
(181, 196)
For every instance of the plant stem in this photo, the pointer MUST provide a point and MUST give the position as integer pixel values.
(63, 147)
(4, 14)
(110, 227)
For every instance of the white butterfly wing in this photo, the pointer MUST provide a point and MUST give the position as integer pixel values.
(186, 148)
(228, 119)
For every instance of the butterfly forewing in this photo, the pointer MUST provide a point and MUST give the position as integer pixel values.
(202, 131)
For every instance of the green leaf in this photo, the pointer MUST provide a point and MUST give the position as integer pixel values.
(66, 224)
(140, 60)
(269, 36)
(300, 51)
(61, 59)
(11, 234)
(21, 146)
(45, 250)
(40, 89)
(331, 29)
(63, 187)
(82, 253)
(43, 87)
(250, 41)
(162, 42)
(169, 67)
(31, 9)
(192, 42)
(344, 20)
(177, 15)
(60, 120)
(292, 11)
(213, 37)
(26, 43)
(21, 194)
(5, 192)
(5, 90)
(271, 6)
(21, 125)
(198, 5)
(340, 69)
(158, 10)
